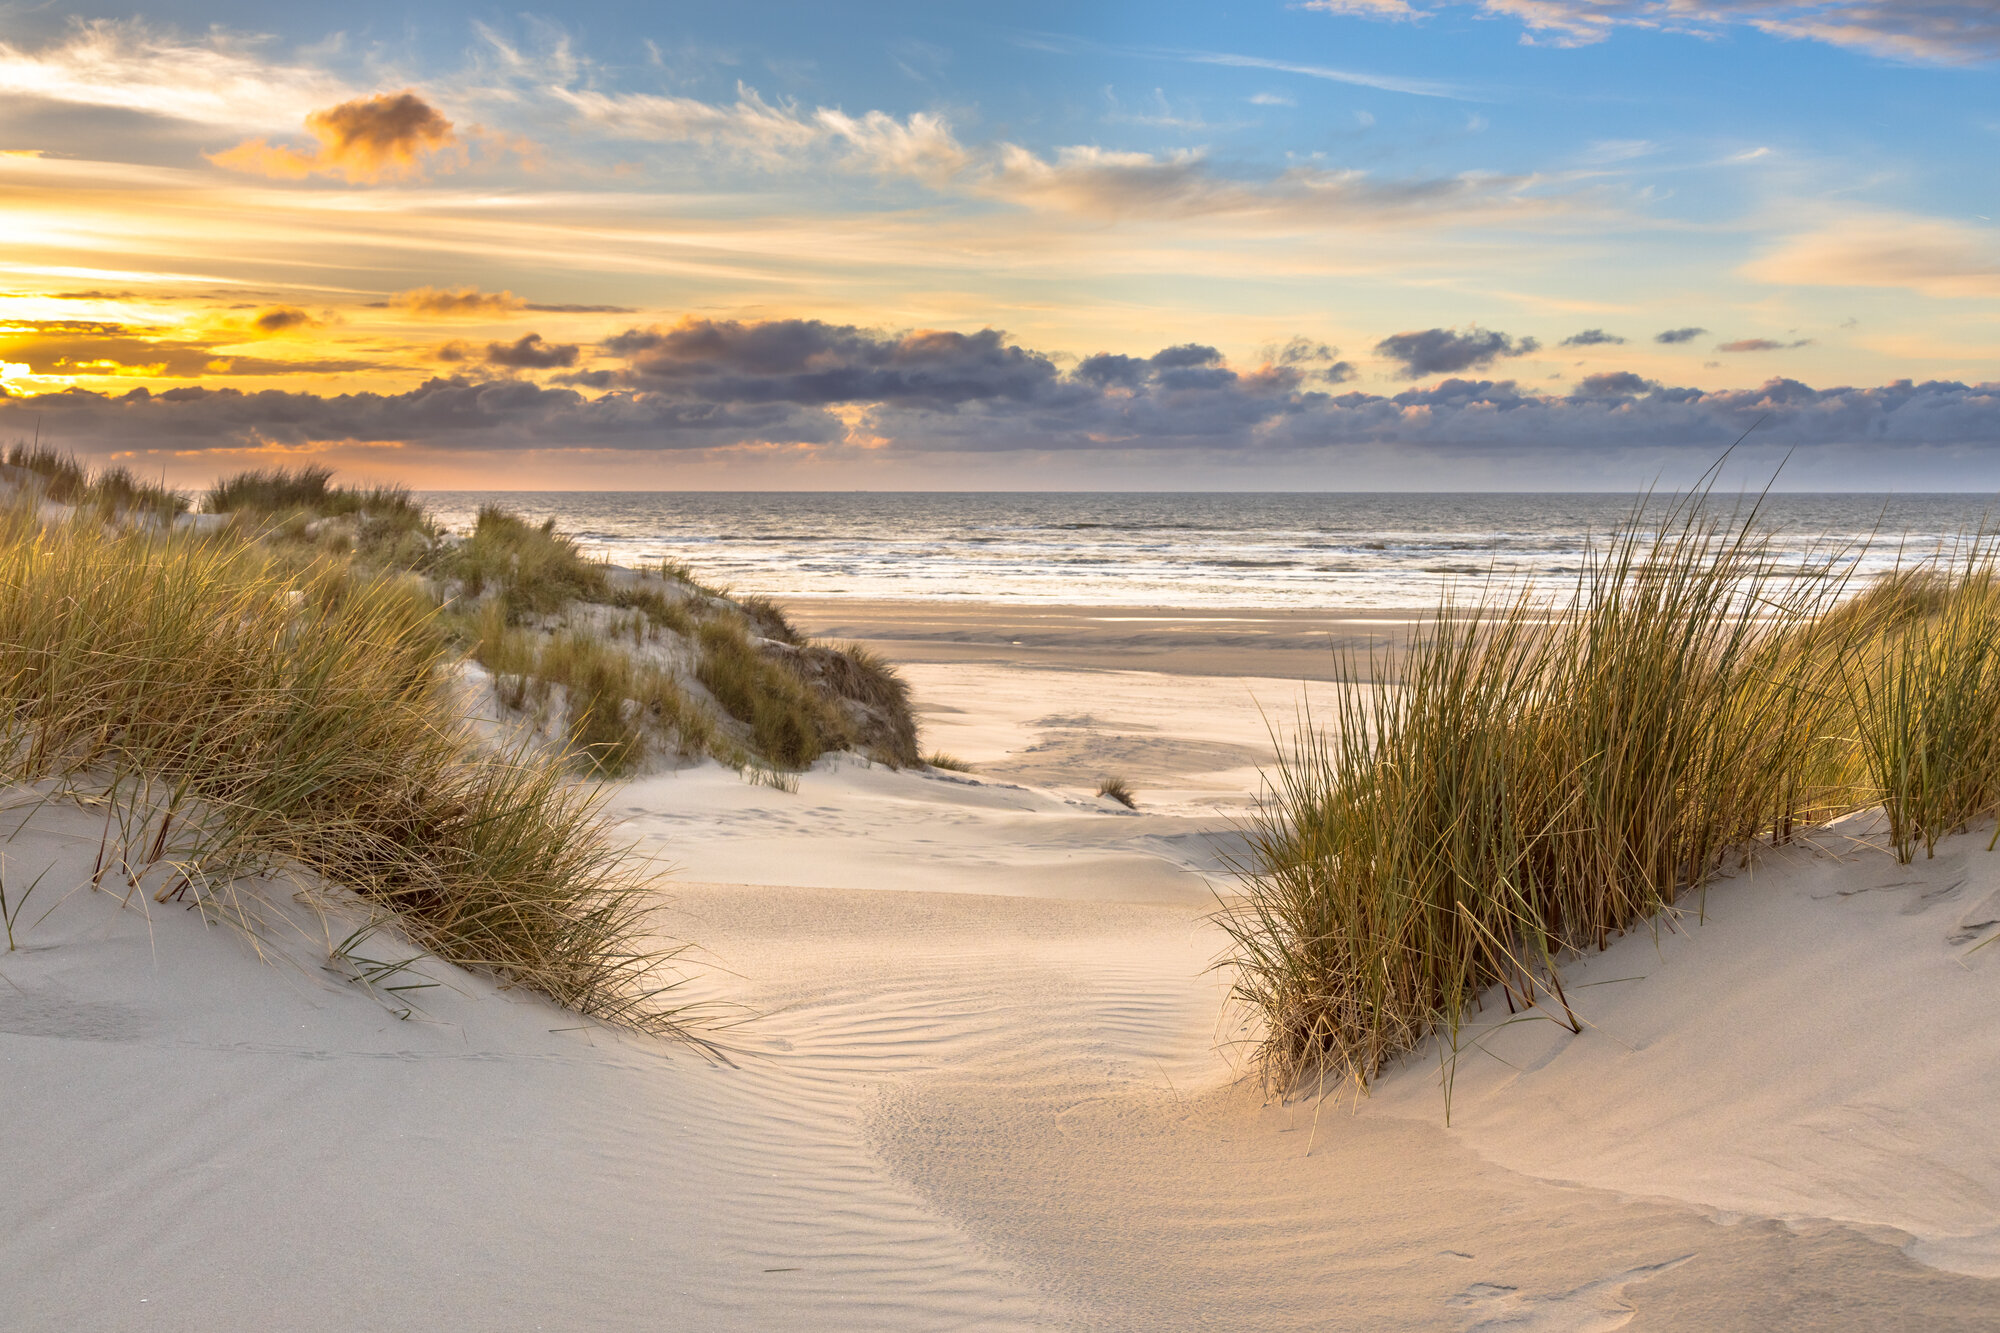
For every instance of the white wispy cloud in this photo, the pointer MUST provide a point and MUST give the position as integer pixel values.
(1358, 78)
(1927, 31)
(920, 145)
(219, 79)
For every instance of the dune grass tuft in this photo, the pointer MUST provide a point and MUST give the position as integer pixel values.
(1535, 779)
(951, 763)
(111, 493)
(790, 724)
(537, 569)
(1118, 790)
(1925, 695)
(289, 718)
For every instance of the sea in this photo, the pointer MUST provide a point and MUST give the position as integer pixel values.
(1356, 551)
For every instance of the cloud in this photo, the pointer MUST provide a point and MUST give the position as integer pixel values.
(472, 303)
(1672, 336)
(454, 302)
(1592, 338)
(98, 349)
(782, 381)
(1358, 78)
(1927, 31)
(1381, 9)
(1447, 351)
(282, 319)
(811, 363)
(1102, 183)
(529, 352)
(453, 413)
(1613, 384)
(1760, 345)
(1928, 255)
(1312, 359)
(921, 145)
(221, 81)
(390, 136)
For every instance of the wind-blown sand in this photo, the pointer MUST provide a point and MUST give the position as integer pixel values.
(990, 1082)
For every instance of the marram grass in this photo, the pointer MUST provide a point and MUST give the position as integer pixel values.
(1533, 779)
(278, 719)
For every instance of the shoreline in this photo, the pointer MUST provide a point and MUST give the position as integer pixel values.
(1281, 643)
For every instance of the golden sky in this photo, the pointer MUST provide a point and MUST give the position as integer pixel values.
(1352, 243)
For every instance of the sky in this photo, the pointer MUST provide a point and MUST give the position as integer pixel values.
(1331, 245)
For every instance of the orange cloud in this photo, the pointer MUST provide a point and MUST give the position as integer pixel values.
(389, 136)
(440, 302)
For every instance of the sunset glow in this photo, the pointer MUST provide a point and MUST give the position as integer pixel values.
(1346, 244)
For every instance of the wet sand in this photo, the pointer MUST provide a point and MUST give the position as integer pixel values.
(1284, 643)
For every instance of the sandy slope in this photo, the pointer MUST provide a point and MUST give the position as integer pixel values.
(1819, 1038)
(990, 1085)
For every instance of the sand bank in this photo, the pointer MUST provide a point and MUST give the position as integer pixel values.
(989, 1081)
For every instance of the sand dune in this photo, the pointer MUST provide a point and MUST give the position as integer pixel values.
(1816, 1039)
(989, 1081)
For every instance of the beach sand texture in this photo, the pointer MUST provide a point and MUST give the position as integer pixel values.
(987, 1079)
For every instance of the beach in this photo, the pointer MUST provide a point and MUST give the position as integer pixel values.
(1323, 665)
(977, 1070)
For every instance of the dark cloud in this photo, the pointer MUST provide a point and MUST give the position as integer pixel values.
(1300, 351)
(705, 384)
(280, 318)
(1107, 368)
(1447, 351)
(454, 413)
(578, 309)
(1184, 356)
(587, 379)
(813, 363)
(1338, 373)
(1613, 384)
(1591, 338)
(1672, 336)
(1760, 345)
(529, 352)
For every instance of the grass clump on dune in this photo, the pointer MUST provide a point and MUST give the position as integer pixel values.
(1925, 693)
(277, 717)
(536, 569)
(112, 493)
(301, 511)
(1536, 779)
(790, 724)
